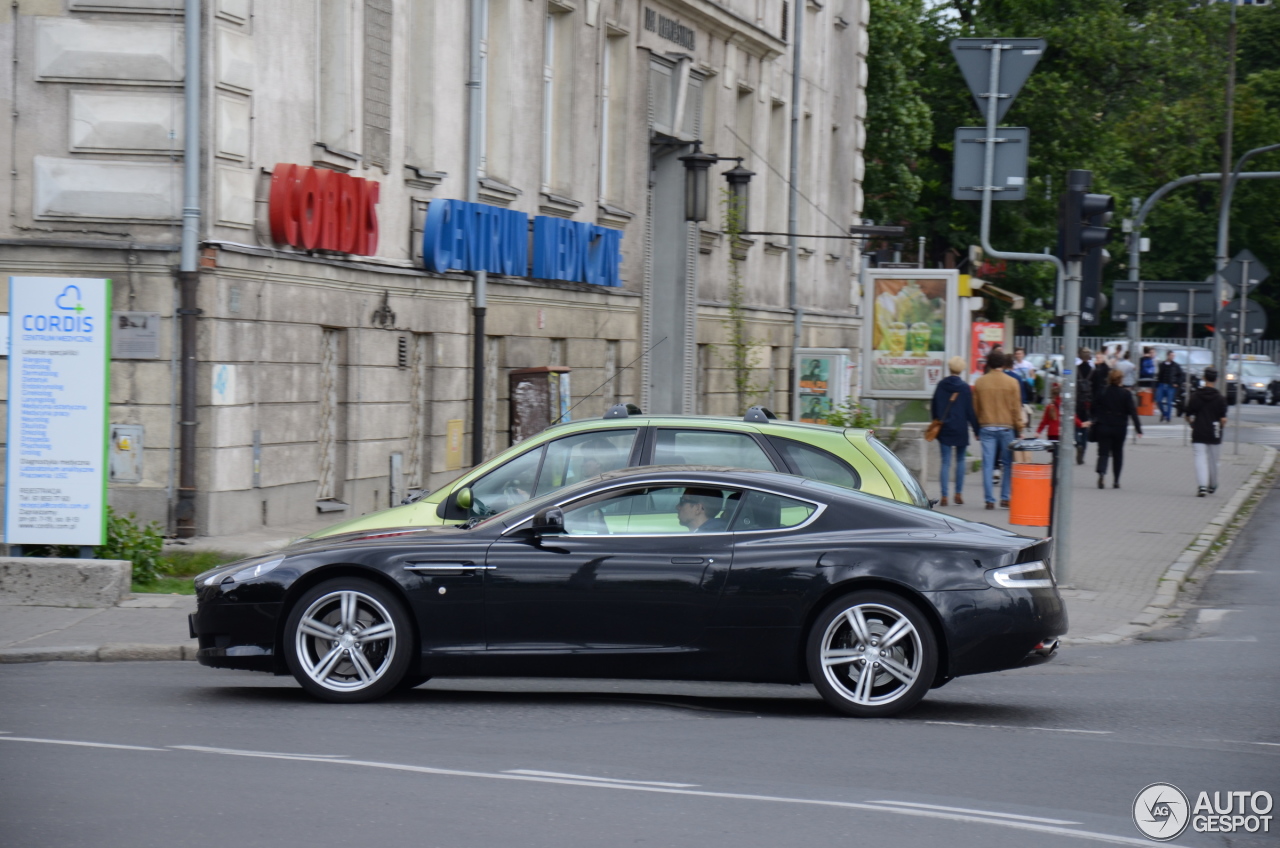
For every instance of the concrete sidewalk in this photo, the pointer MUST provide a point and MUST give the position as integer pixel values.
(1130, 549)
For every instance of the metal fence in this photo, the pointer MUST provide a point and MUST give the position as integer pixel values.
(1053, 344)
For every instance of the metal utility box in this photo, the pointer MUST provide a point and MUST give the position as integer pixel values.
(539, 397)
(126, 453)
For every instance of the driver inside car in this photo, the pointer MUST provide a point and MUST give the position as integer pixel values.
(698, 510)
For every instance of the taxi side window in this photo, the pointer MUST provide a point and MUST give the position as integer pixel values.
(710, 447)
(583, 456)
(817, 464)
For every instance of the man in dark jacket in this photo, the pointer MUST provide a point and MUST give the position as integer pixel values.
(1084, 399)
(1168, 378)
(953, 406)
(1207, 414)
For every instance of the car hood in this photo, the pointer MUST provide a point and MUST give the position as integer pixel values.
(376, 535)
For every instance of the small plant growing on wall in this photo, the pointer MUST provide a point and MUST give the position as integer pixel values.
(743, 354)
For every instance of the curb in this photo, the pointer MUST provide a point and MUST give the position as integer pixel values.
(1175, 576)
(110, 652)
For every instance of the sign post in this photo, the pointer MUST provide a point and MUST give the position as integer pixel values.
(56, 474)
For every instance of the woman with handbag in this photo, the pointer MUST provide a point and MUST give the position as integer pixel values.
(953, 418)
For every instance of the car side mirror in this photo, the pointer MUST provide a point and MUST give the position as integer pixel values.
(463, 498)
(549, 522)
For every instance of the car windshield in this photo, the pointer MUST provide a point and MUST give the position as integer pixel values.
(1259, 370)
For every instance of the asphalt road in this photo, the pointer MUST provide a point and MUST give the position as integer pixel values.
(165, 754)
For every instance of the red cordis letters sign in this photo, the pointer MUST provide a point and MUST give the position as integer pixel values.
(318, 209)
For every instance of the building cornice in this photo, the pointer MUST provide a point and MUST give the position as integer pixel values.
(725, 24)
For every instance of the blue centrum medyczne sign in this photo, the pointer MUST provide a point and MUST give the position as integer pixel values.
(462, 236)
(56, 468)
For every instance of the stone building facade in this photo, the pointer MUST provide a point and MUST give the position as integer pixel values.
(337, 379)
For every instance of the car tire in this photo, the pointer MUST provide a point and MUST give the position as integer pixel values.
(412, 681)
(845, 648)
(323, 642)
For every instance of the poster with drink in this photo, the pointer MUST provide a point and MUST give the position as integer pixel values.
(911, 319)
(986, 335)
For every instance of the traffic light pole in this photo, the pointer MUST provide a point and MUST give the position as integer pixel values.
(1071, 319)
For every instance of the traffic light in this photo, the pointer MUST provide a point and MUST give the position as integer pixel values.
(1092, 300)
(1083, 216)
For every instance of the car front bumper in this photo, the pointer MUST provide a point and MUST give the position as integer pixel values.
(241, 636)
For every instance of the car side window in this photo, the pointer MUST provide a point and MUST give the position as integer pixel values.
(653, 510)
(710, 447)
(767, 511)
(817, 464)
(583, 456)
(507, 485)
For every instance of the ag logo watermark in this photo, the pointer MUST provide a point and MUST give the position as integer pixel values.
(1162, 812)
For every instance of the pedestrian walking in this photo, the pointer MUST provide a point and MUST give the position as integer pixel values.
(1098, 376)
(1084, 400)
(997, 400)
(1147, 368)
(953, 406)
(1130, 371)
(1169, 377)
(1207, 415)
(1052, 418)
(1112, 412)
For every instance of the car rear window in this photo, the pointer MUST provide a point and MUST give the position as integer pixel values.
(918, 497)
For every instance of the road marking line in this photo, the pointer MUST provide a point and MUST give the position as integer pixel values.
(1235, 571)
(236, 751)
(976, 812)
(601, 779)
(1274, 744)
(704, 793)
(1020, 727)
(79, 744)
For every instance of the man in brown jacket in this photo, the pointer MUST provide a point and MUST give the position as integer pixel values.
(997, 399)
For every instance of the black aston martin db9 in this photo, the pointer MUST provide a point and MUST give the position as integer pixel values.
(670, 573)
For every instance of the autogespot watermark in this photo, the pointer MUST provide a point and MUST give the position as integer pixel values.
(1162, 812)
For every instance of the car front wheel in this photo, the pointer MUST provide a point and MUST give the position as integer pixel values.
(872, 654)
(348, 640)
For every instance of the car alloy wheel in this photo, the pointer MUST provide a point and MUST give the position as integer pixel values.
(872, 654)
(348, 640)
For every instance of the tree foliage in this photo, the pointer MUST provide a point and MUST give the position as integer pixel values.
(1133, 91)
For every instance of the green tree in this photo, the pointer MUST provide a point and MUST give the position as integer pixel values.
(1133, 91)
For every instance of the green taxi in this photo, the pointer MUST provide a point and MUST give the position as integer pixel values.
(574, 451)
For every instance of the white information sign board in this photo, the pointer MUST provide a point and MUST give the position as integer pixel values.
(56, 473)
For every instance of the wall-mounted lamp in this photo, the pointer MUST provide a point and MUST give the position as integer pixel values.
(697, 165)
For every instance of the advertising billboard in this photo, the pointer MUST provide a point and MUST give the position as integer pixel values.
(914, 329)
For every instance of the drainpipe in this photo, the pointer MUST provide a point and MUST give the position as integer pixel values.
(793, 246)
(189, 275)
(475, 109)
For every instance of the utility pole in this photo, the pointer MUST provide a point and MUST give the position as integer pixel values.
(1224, 203)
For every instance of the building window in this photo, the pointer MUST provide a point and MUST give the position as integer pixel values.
(613, 119)
(378, 26)
(336, 74)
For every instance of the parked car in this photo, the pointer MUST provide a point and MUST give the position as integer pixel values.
(1256, 373)
(569, 453)
(666, 572)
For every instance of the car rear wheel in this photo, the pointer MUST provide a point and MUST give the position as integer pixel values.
(348, 640)
(872, 654)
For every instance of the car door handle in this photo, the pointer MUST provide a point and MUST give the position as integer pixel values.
(687, 560)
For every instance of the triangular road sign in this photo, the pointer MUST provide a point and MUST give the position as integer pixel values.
(1018, 57)
(1235, 269)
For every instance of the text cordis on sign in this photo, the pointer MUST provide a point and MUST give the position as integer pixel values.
(318, 209)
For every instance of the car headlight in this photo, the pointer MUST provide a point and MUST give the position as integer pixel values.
(1024, 575)
(239, 572)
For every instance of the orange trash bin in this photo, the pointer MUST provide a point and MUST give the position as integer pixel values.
(1146, 402)
(1031, 494)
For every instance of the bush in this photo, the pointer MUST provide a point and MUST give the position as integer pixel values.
(140, 545)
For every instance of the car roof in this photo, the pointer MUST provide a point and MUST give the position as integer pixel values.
(657, 419)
